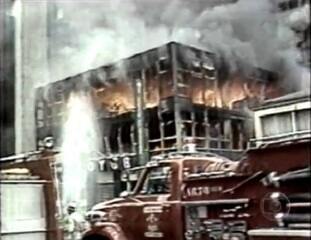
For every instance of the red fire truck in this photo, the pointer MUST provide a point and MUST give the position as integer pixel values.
(199, 196)
(196, 196)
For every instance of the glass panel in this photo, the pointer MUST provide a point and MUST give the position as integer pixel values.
(30, 206)
(277, 124)
(303, 120)
(25, 236)
(158, 181)
(24, 213)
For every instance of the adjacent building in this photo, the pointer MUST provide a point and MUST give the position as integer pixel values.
(7, 79)
(283, 118)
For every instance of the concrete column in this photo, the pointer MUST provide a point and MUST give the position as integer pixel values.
(31, 67)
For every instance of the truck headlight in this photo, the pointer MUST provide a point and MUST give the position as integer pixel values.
(96, 216)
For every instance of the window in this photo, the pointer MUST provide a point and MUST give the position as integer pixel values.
(164, 64)
(158, 181)
(303, 120)
(277, 124)
(22, 207)
(196, 66)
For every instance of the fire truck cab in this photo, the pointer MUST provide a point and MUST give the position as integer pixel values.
(162, 198)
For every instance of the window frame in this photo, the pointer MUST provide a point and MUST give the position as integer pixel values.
(144, 178)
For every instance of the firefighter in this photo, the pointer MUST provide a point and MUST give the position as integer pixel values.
(73, 223)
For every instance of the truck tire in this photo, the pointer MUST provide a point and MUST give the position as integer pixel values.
(113, 234)
(107, 233)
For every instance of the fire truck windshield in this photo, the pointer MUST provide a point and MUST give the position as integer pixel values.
(158, 181)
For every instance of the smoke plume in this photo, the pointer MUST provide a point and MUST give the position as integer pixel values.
(89, 34)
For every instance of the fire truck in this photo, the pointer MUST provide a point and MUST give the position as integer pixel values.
(29, 196)
(194, 195)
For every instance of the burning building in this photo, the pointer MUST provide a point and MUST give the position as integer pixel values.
(150, 103)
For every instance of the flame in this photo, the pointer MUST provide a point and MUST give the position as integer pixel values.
(233, 91)
(151, 95)
(116, 98)
(119, 98)
(222, 97)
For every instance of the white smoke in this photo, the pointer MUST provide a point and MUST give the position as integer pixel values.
(100, 32)
(299, 18)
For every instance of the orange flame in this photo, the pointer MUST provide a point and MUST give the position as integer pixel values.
(119, 97)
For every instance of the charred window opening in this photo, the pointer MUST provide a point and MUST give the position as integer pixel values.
(182, 63)
(210, 73)
(113, 138)
(126, 136)
(169, 124)
(164, 64)
(200, 124)
(237, 135)
(152, 95)
(220, 133)
(153, 70)
(187, 123)
(214, 133)
(154, 130)
(166, 85)
(208, 67)
(196, 66)
(183, 87)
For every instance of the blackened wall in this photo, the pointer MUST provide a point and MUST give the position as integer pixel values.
(7, 79)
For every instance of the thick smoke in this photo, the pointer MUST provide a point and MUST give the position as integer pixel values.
(93, 33)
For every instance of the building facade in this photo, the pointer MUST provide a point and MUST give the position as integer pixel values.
(151, 103)
(7, 79)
